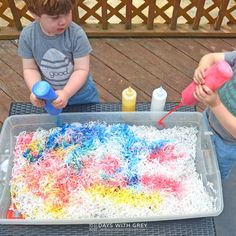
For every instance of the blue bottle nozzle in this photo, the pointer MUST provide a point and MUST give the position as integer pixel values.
(43, 90)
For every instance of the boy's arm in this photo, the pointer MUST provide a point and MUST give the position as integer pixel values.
(227, 120)
(75, 83)
(30, 72)
(206, 61)
(211, 58)
(78, 77)
(31, 76)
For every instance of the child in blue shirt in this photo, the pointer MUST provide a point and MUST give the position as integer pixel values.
(55, 49)
(221, 112)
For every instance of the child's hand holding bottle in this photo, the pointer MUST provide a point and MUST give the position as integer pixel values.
(36, 101)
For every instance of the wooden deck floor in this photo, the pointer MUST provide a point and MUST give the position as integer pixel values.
(143, 63)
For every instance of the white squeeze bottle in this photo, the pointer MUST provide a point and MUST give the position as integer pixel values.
(129, 99)
(159, 96)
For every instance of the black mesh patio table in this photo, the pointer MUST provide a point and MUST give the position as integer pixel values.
(26, 108)
(185, 227)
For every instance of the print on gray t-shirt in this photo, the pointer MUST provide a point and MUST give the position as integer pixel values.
(56, 72)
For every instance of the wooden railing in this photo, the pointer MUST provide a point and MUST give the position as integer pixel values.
(142, 18)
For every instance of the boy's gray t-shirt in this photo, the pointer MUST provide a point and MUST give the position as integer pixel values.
(227, 95)
(54, 55)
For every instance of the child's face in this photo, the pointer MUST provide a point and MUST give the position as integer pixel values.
(52, 25)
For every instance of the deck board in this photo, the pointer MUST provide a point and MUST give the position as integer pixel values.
(215, 45)
(191, 48)
(116, 63)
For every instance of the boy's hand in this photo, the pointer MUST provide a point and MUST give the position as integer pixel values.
(207, 96)
(199, 75)
(62, 99)
(36, 102)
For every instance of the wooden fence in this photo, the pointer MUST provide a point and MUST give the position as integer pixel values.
(147, 18)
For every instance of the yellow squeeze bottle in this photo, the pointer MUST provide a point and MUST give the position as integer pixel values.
(129, 99)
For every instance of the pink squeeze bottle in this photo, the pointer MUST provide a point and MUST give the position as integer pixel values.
(215, 77)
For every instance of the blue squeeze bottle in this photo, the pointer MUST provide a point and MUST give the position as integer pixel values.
(43, 90)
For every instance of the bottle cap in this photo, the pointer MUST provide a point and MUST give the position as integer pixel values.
(41, 88)
(129, 92)
(159, 96)
(159, 93)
